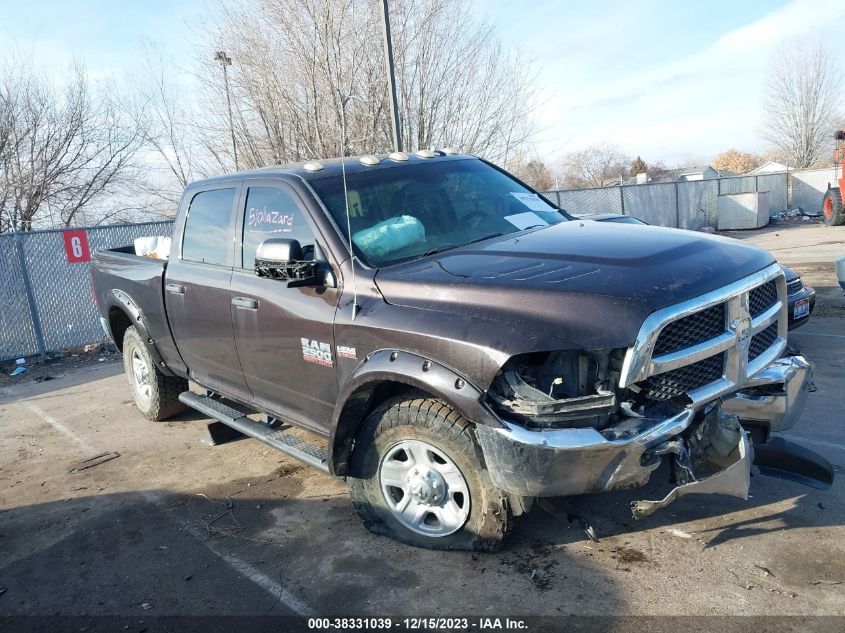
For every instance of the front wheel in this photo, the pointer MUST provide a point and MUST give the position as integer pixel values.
(156, 395)
(417, 477)
(832, 207)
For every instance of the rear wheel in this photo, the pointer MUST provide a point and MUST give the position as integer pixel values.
(832, 207)
(417, 477)
(156, 395)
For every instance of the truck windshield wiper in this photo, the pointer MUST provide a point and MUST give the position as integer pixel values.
(447, 247)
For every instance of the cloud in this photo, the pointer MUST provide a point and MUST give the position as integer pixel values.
(706, 98)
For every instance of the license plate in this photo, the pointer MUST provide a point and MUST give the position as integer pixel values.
(802, 308)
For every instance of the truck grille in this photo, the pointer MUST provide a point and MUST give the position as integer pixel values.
(680, 381)
(762, 298)
(691, 330)
(762, 341)
(708, 346)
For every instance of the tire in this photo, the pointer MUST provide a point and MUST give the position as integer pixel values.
(156, 395)
(449, 487)
(832, 207)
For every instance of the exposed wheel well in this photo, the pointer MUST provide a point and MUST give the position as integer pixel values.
(119, 322)
(358, 406)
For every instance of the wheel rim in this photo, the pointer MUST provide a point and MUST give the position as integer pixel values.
(424, 489)
(141, 376)
(828, 207)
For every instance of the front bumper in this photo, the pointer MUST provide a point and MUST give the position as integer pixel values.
(774, 398)
(563, 462)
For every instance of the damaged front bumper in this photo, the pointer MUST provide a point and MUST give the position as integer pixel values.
(573, 461)
(773, 399)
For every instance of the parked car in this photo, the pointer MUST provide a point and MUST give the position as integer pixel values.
(454, 345)
(840, 271)
(800, 299)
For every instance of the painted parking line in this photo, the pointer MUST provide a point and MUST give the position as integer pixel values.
(241, 566)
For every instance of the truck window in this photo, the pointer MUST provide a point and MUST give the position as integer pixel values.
(208, 229)
(401, 213)
(273, 212)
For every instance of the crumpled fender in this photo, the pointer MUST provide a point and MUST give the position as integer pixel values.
(406, 368)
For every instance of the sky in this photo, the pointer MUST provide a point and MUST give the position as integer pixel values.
(667, 80)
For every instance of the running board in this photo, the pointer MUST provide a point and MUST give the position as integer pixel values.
(289, 444)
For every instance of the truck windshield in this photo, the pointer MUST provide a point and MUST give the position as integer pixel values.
(402, 213)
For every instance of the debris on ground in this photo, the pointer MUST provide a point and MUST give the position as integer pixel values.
(793, 216)
(765, 570)
(20, 370)
(92, 461)
(679, 533)
(43, 378)
(707, 229)
(825, 582)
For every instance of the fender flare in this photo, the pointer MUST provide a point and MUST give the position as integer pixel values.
(119, 299)
(391, 365)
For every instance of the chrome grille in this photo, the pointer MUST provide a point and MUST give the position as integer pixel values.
(680, 381)
(762, 341)
(762, 298)
(692, 330)
(709, 346)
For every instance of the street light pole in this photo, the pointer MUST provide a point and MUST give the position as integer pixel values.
(391, 76)
(225, 60)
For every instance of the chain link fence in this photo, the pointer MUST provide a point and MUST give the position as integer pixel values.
(46, 302)
(693, 204)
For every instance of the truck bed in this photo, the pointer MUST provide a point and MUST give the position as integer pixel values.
(120, 277)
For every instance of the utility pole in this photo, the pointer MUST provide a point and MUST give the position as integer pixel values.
(391, 80)
(225, 60)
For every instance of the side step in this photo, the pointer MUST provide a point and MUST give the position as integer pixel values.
(300, 449)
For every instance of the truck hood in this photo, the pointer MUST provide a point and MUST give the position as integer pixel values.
(593, 283)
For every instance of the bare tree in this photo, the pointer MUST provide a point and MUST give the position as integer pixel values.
(802, 101)
(308, 80)
(595, 166)
(63, 148)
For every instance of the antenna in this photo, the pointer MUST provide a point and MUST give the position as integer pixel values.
(349, 228)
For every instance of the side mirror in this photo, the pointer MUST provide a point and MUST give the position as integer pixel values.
(281, 258)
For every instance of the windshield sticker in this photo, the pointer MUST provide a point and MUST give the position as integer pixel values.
(526, 220)
(317, 352)
(532, 201)
(347, 352)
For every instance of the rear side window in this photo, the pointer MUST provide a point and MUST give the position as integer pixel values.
(208, 229)
(273, 212)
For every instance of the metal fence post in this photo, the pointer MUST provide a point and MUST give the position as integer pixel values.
(677, 207)
(622, 198)
(30, 298)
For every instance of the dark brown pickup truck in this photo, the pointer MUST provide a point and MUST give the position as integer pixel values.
(455, 346)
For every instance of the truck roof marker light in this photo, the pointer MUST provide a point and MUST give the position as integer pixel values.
(425, 153)
(450, 151)
(369, 159)
(398, 156)
(313, 166)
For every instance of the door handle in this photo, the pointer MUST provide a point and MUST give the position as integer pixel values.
(175, 289)
(245, 302)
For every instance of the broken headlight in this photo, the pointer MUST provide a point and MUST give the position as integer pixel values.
(562, 389)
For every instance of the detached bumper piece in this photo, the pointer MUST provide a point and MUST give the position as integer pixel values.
(573, 461)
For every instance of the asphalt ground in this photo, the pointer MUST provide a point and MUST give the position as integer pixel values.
(173, 526)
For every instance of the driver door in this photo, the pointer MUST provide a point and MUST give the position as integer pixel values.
(284, 336)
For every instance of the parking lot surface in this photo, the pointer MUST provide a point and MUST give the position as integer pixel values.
(174, 526)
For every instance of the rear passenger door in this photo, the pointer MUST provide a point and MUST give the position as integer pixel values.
(285, 336)
(197, 290)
